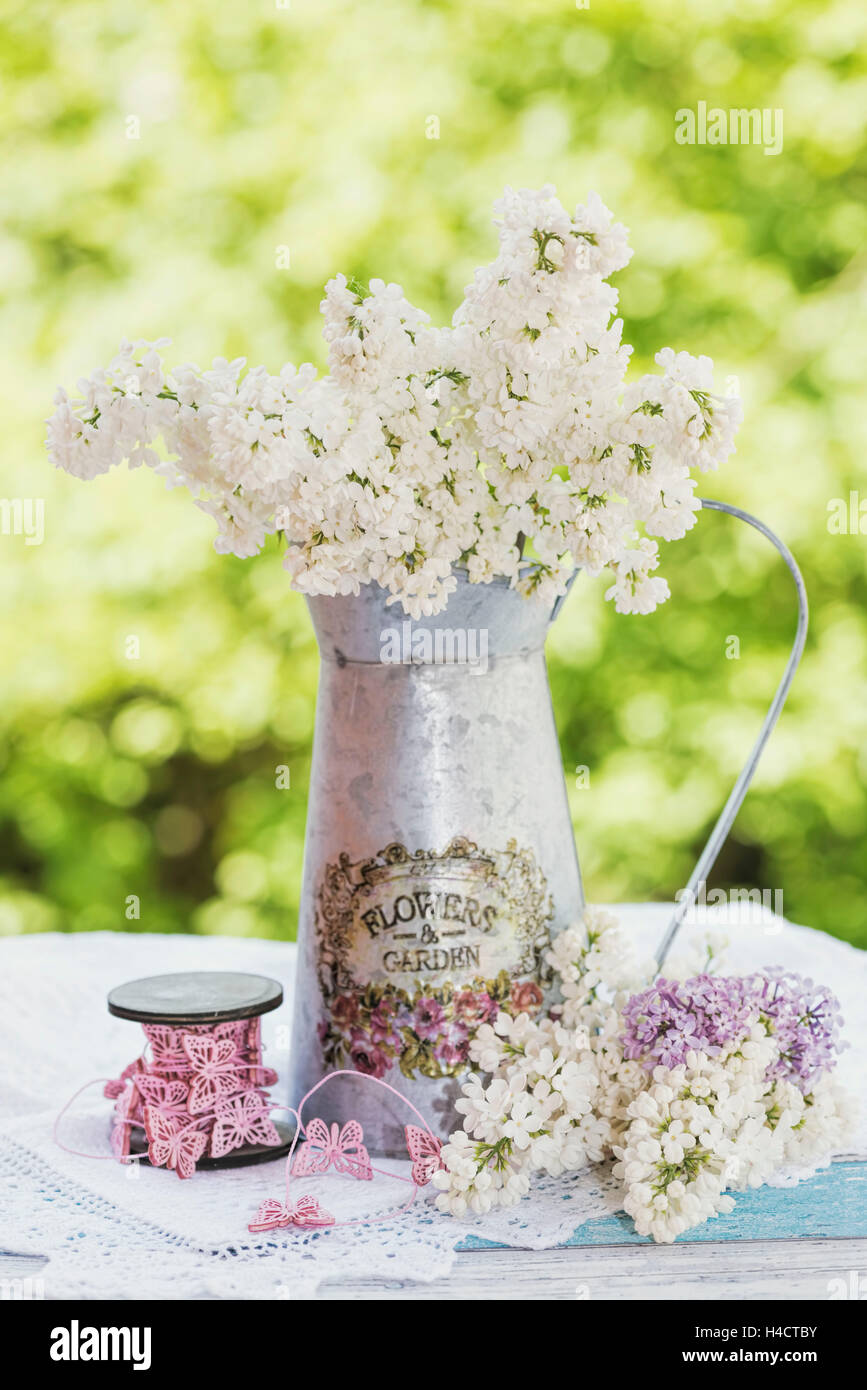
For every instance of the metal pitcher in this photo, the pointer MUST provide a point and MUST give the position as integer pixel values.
(439, 858)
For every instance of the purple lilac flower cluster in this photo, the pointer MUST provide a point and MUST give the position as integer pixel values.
(713, 1014)
(806, 1021)
(705, 1014)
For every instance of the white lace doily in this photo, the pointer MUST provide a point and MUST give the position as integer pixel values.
(110, 1231)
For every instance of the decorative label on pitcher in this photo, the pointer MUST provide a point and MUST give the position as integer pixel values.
(417, 949)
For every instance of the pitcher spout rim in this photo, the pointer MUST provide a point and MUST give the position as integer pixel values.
(353, 628)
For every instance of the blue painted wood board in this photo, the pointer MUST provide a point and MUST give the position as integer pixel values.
(832, 1204)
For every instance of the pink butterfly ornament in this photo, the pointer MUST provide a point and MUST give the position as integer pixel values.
(273, 1215)
(169, 1097)
(242, 1120)
(172, 1145)
(215, 1071)
(425, 1152)
(342, 1148)
(167, 1048)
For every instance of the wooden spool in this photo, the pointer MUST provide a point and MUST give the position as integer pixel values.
(197, 997)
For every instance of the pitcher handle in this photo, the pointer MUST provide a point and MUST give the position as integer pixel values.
(723, 826)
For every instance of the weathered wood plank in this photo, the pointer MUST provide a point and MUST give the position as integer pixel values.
(815, 1270)
(833, 1203)
(788, 1269)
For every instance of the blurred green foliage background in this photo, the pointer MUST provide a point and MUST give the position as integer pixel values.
(262, 127)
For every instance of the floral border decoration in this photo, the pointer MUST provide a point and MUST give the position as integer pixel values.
(426, 1031)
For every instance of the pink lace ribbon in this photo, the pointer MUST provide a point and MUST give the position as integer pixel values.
(200, 1091)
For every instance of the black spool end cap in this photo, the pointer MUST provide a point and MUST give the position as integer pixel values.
(195, 996)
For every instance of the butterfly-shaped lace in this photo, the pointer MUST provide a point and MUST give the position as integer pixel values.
(425, 1150)
(214, 1063)
(169, 1097)
(242, 1120)
(305, 1212)
(341, 1148)
(167, 1048)
(171, 1144)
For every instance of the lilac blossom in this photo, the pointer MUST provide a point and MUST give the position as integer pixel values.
(714, 1014)
(805, 1020)
(707, 1014)
(429, 452)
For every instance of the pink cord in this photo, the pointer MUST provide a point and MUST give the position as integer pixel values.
(79, 1153)
(383, 1172)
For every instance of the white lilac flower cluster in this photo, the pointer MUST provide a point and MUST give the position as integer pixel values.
(746, 1087)
(509, 444)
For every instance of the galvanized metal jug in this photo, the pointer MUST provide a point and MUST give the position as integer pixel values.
(439, 859)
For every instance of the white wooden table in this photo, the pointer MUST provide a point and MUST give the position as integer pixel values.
(745, 1256)
(823, 1269)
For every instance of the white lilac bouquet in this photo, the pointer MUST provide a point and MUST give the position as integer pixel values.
(509, 443)
(694, 1088)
